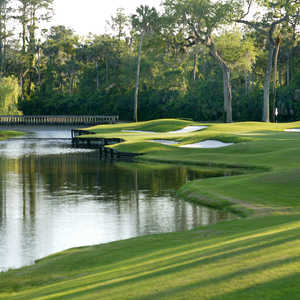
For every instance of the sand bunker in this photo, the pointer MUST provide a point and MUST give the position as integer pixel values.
(188, 129)
(208, 144)
(183, 130)
(293, 130)
(165, 142)
(138, 131)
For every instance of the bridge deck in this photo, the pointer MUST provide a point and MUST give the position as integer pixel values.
(57, 120)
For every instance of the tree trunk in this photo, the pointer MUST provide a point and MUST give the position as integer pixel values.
(225, 98)
(278, 41)
(279, 77)
(227, 94)
(252, 79)
(61, 84)
(24, 26)
(4, 42)
(247, 84)
(4, 65)
(195, 65)
(226, 81)
(266, 107)
(135, 114)
(1, 47)
(106, 71)
(97, 75)
(22, 85)
(23, 20)
(71, 84)
(31, 49)
(39, 66)
(288, 79)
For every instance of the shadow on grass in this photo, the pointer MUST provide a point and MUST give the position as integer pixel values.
(170, 293)
(94, 283)
(287, 288)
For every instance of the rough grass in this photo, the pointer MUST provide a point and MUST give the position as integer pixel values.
(253, 258)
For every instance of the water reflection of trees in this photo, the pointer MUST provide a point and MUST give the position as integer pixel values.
(85, 173)
(2, 193)
(24, 171)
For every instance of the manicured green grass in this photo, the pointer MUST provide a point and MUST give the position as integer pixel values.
(240, 259)
(162, 125)
(5, 134)
(251, 258)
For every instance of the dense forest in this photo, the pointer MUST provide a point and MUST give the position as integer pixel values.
(201, 59)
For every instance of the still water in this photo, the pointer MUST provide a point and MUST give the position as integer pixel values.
(54, 197)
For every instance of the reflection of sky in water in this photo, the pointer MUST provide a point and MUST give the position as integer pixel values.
(52, 203)
(42, 142)
(58, 226)
(25, 147)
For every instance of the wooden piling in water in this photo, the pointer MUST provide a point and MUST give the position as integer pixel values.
(100, 143)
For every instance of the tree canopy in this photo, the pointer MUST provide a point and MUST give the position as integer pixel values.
(198, 59)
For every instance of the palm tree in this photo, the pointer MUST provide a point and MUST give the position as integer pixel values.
(144, 22)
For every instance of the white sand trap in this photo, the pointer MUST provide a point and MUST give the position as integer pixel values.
(188, 129)
(293, 130)
(208, 144)
(165, 142)
(183, 130)
(138, 131)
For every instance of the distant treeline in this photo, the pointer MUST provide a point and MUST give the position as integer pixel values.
(188, 69)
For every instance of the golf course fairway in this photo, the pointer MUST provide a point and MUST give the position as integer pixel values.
(256, 256)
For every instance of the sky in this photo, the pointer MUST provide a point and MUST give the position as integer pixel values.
(91, 15)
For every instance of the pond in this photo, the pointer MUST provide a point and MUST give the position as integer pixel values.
(54, 197)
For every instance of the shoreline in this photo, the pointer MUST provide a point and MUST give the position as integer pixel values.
(6, 134)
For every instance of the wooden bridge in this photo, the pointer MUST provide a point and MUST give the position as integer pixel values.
(99, 143)
(57, 120)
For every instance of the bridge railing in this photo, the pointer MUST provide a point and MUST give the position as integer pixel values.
(57, 120)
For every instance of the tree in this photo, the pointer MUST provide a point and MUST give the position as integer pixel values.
(119, 23)
(290, 41)
(239, 52)
(9, 94)
(61, 50)
(31, 14)
(143, 22)
(278, 40)
(5, 15)
(273, 13)
(197, 20)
